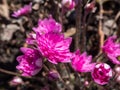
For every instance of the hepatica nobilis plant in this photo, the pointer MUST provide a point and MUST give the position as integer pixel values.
(49, 43)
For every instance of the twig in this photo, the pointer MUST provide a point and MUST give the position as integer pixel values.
(61, 79)
(46, 68)
(100, 28)
(64, 83)
(116, 18)
(96, 57)
(61, 20)
(68, 70)
(78, 26)
(17, 74)
(84, 31)
(11, 73)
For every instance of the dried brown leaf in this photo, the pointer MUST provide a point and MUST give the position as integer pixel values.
(70, 32)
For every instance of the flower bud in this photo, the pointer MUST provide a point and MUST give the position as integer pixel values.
(53, 75)
(102, 73)
(69, 4)
(16, 81)
(117, 69)
(86, 83)
(90, 6)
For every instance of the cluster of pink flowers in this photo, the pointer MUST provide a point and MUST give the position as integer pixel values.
(101, 73)
(49, 43)
(67, 4)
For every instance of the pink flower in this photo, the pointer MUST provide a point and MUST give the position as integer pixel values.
(81, 63)
(69, 4)
(23, 11)
(48, 25)
(44, 26)
(102, 73)
(30, 63)
(112, 49)
(55, 47)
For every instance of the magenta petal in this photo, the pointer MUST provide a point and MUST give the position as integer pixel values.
(112, 49)
(82, 63)
(30, 63)
(113, 59)
(24, 49)
(47, 25)
(55, 47)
